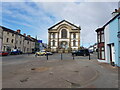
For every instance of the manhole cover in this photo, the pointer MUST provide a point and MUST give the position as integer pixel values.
(40, 69)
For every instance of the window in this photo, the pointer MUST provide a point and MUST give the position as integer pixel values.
(7, 40)
(7, 32)
(28, 42)
(53, 42)
(12, 34)
(64, 33)
(101, 53)
(101, 36)
(27, 49)
(74, 35)
(12, 41)
(53, 35)
(74, 43)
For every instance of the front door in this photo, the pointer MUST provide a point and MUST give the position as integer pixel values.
(110, 53)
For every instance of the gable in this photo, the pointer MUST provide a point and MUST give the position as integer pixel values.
(64, 22)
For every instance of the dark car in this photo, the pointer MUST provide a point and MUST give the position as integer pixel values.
(3, 53)
(16, 52)
(83, 52)
(90, 51)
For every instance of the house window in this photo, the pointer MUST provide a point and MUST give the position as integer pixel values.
(74, 35)
(64, 33)
(53, 42)
(28, 42)
(7, 32)
(101, 53)
(7, 40)
(101, 36)
(12, 34)
(74, 43)
(12, 41)
(27, 49)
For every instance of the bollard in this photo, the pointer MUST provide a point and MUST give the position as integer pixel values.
(61, 56)
(47, 56)
(89, 56)
(35, 55)
(73, 56)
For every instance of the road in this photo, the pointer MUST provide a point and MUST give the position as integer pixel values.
(28, 71)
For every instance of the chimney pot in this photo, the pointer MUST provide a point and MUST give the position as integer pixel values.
(115, 10)
(28, 35)
(18, 31)
(24, 34)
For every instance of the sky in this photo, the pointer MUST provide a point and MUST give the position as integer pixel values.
(34, 18)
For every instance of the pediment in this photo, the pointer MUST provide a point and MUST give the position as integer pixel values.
(64, 22)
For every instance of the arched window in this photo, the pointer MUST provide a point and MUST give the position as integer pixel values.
(74, 43)
(74, 35)
(53, 42)
(64, 33)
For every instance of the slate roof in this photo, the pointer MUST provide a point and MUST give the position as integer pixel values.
(15, 32)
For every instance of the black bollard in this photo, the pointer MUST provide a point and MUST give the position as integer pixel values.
(35, 55)
(47, 56)
(89, 56)
(61, 56)
(73, 56)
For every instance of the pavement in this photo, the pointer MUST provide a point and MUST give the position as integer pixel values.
(28, 71)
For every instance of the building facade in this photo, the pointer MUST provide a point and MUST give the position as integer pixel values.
(109, 42)
(1, 33)
(15, 40)
(64, 35)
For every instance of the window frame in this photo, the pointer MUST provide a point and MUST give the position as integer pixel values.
(64, 33)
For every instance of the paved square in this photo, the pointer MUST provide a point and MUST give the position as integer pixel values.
(28, 71)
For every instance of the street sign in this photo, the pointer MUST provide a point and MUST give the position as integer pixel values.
(40, 41)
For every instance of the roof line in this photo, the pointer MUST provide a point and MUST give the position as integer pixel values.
(61, 22)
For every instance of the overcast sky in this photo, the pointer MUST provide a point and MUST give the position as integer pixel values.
(35, 18)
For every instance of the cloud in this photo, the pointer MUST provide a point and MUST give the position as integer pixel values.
(39, 16)
(88, 15)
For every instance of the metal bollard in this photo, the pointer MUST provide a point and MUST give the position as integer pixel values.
(89, 56)
(73, 56)
(61, 56)
(47, 56)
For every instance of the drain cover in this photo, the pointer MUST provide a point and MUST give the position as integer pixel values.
(40, 69)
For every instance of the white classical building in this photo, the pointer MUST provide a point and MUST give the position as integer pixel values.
(64, 35)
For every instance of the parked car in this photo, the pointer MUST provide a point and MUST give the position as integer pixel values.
(40, 53)
(3, 53)
(16, 52)
(83, 52)
(49, 53)
(90, 51)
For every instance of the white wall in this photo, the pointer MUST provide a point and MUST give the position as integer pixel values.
(106, 33)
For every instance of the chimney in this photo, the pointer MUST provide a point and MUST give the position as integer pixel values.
(28, 36)
(24, 34)
(115, 12)
(18, 31)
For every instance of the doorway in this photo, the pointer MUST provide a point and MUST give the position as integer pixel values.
(111, 53)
